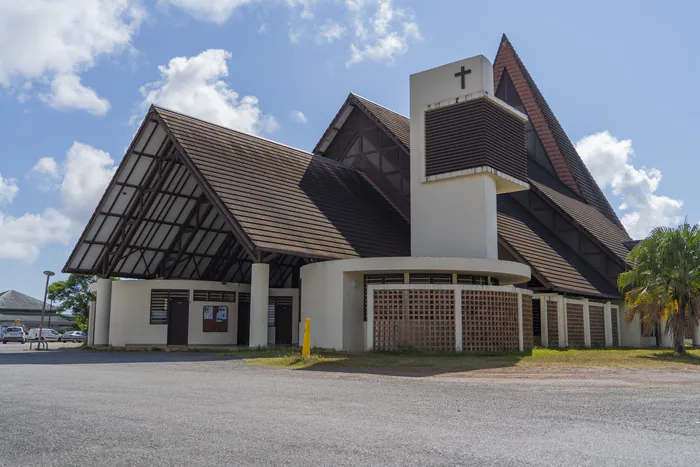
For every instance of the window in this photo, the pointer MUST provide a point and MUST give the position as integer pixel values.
(213, 296)
(272, 306)
(423, 278)
(476, 280)
(159, 303)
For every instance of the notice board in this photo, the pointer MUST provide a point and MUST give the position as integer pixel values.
(215, 318)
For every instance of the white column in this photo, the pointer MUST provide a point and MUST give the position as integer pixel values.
(259, 299)
(696, 334)
(607, 311)
(521, 337)
(458, 320)
(91, 324)
(370, 318)
(561, 318)
(586, 323)
(544, 324)
(103, 289)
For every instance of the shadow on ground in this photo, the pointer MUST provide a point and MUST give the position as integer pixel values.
(420, 365)
(661, 356)
(87, 357)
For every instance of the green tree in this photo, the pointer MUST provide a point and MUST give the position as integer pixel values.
(74, 296)
(663, 284)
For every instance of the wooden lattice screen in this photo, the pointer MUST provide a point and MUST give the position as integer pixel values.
(615, 330)
(596, 316)
(574, 322)
(419, 319)
(552, 324)
(490, 321)
(528, 328)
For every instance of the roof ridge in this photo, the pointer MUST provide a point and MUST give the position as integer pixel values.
(306, 153)
(379, 105)
(569, 167)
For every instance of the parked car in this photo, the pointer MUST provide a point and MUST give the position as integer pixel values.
(14, 334)
(73, 336)
(48, 335)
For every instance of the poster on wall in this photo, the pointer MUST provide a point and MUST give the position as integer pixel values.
(215, 318)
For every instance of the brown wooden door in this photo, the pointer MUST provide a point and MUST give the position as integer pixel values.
(283, 323)
(178, 322)
(243, 323)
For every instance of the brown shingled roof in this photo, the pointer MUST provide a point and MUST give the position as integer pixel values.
(569, 167)
(589, 218)
(396, 125)
(288, 200)
(544, 252)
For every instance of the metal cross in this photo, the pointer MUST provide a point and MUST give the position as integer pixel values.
(462, 74)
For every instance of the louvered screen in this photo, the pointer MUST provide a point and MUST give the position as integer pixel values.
(159, 303)
(213, 296)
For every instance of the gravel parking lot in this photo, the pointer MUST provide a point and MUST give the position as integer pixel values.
(157, 408)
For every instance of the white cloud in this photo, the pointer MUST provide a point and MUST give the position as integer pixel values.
(330, 32)
(21, 238)
(306, 7)
(81, 180)
(609, 161)
(86, 173)
(215, 11)
(47, 172)
(43, 39)
(376, 29)
(299, 117)
(195, 86)
(382, 36)
(67, 92)
(8, 189)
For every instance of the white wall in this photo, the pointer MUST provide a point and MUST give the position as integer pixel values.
(455, 214)
(130, 313)
(333, 291)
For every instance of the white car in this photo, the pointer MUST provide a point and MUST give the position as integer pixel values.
(13, 334)
(48, 335)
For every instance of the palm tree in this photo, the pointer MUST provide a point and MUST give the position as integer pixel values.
(663, 284)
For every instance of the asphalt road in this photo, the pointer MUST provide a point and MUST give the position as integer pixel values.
(152, 408)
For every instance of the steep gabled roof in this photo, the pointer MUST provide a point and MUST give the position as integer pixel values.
(192, 199)
(16, 301)
(566, 162)
(288, 200)
(396, 125)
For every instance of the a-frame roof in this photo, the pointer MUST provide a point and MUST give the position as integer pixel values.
(567, 163)
(288, 200)
(394, 124)
(196, 200)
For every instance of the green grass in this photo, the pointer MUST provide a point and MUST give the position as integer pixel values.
(539, 358)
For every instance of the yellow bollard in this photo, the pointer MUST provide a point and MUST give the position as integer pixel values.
(306, 349)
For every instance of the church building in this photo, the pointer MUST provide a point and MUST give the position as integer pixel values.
(471, 225)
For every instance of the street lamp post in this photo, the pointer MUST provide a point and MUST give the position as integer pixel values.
(43, 307)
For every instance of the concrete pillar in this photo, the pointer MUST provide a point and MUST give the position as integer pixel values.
(544, 323)
(369, 340)
(259, 300)
(696, 336)
(607, 311)
(458, 320)
(91, 325)
(103, 290)
(586, 323)
(561, 315)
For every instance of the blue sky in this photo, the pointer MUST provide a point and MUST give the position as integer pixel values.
(76, 76)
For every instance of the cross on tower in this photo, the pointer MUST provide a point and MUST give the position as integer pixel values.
(462, 74)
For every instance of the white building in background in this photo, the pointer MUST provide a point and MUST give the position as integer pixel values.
(472, 226)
